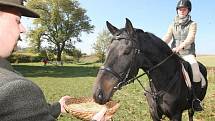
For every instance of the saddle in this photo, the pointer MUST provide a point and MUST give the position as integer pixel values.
(188, 75)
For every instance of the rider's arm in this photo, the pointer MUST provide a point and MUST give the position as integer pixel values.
(168, 36)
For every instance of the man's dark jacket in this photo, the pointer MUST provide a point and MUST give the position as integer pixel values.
(22, 100)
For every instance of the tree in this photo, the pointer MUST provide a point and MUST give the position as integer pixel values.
(101, 44)
(60, 24)
(75, 53)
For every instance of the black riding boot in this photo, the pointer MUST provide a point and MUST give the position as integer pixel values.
(196, 103)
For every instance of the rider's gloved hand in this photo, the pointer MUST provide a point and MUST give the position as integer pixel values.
(177, 49)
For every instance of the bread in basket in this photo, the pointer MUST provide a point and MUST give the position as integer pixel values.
(85, 108)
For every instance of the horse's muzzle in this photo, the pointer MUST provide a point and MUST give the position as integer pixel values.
(99, 97)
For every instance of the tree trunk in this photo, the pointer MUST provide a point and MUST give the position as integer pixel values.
(59, 52)
(58, 56)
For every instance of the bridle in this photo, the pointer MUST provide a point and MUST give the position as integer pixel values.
(124, 80)
(121, 80)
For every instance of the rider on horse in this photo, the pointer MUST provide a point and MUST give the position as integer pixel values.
(183, 31)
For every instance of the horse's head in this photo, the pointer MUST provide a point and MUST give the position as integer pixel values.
(120, 64)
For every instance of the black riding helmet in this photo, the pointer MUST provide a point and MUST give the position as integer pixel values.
(184, 3)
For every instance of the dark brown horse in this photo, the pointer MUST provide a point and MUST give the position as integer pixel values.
(132, 49)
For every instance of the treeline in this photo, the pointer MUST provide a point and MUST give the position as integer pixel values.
(28, 56)
(24, 58)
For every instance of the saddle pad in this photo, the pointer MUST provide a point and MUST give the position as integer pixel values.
(187, 78)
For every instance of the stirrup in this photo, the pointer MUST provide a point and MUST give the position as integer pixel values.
(197, 109)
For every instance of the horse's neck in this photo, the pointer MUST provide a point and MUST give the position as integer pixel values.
(165, 73)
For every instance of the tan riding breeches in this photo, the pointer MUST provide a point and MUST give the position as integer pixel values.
(195, 67)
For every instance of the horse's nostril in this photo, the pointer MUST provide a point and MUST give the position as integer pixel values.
(100, 95)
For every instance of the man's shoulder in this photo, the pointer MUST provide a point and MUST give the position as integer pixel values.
(8, 73)
(7, 76)
(6, 64)
(10, 80)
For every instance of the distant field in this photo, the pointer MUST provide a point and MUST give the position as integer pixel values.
(89, 59)
(207, 60)
(77, 80)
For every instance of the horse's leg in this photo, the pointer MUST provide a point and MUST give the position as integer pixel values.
(176, 117)
(190, 114)
(156, 116)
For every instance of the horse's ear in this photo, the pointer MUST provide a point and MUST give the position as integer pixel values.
(129, 27)
(111, 28)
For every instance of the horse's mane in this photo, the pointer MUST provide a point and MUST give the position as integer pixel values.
(158, 42)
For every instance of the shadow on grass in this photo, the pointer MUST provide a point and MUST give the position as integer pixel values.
(56, 71)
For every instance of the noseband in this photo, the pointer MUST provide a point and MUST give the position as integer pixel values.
(124, 80)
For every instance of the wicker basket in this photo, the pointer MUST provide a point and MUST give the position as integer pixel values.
(112, 106)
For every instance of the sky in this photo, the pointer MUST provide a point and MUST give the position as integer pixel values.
(149, 15)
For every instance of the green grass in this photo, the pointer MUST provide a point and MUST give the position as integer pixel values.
(77, 80)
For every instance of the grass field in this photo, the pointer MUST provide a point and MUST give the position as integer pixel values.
(77, 81)
(208, 60)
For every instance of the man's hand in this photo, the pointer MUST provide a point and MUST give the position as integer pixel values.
(62, 103)
(100, 116)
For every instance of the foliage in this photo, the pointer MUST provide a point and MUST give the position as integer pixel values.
(60, 24)
(35, 39)
(50, 56)
(75, 53)
(101, 44)
(44, 54)
(24, 58)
